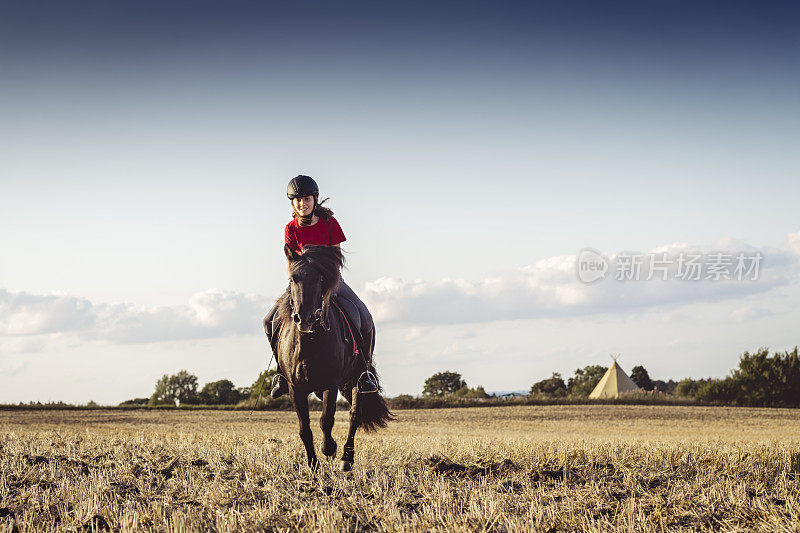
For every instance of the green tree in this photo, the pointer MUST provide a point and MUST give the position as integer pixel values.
(760, 380)
(716, 390)
(552, 386)
(767, 381)
(642, 379)
(163, 395)
(467, 392)
(136, 401)
(221, 392)
(185, 386)
(585, 380)
(443, 383)
(177, 388)
(263, 384)
(687, 387)
(667, 387)
(790, 377)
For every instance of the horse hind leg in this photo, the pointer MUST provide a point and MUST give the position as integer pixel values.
(348, 456)
(326, 421)
(301, 408)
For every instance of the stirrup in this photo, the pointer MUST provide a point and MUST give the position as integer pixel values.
(276, 386)
(370, 378)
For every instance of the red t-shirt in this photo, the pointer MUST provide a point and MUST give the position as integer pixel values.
(326, 232)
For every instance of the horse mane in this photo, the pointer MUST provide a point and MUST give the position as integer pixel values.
(327, 261)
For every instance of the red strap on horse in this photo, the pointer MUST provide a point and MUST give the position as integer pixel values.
(352, 337)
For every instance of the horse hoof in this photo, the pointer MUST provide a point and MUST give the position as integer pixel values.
(329, 451)
(347, 466)
(313, 464)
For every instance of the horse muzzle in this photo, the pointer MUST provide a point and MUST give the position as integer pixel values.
(307, 325)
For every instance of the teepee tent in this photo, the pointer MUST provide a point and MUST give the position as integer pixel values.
(614, 382)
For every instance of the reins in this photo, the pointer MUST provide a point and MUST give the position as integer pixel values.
(261, 387)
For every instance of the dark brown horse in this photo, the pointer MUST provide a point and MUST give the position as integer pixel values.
(315, 352)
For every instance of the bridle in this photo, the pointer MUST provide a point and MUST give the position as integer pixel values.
(318, 313)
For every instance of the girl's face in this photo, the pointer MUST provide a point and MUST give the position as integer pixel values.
(303, 205)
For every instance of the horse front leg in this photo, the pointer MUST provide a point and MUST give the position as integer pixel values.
(326, 421)
(348, 456)
(301, 408)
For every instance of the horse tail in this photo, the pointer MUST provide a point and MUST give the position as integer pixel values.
(373, 412)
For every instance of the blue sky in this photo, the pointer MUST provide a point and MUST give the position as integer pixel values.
(145, 148)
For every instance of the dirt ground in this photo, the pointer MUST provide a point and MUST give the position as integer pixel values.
(496, 469)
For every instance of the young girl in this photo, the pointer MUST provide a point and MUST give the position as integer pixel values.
(313, 224)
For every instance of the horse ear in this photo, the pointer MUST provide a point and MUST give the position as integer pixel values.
(291, 255)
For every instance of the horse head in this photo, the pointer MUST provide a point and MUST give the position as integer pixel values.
(313, 278)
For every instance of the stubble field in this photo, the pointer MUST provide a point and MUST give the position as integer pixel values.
(544, 468)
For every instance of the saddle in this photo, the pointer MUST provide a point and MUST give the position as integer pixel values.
(353, 316)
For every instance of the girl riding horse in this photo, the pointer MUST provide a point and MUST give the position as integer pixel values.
(312, 223)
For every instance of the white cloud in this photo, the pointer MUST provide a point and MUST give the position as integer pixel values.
(794, 242)
(550, 288)
(22, 313)
(412, 334)
(23, 344)
(212, 313)
(11, 368)
(748, 313)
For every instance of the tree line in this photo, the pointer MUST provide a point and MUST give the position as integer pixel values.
(586, 379)
(760, 379)
(181, 388)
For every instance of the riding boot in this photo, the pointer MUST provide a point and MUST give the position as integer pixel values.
(366, 383)
(281, 388)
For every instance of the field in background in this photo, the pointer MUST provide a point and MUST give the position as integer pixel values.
(506, 469)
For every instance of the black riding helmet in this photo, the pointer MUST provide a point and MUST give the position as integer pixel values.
(301, 186)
